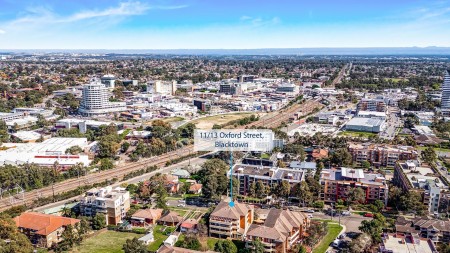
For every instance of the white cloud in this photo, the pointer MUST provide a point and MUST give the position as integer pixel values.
(258, 21)
(2, 31)
(42, 15)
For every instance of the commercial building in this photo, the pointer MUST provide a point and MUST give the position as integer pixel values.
(288, 88)
(84, 125)
(269, 176)
(5, 116)
(108, 81)
(227, 88)
(410, 176)
(336, 184)
(445, 101)
(230, 222)
(43, 230)
(162, 87)
(281, 230)
(202, 105)
(46, 153)
(95, 101)
(372, 114)
(401, 244)
(113, 203)
(381, 155)
(246, 78)
(365, 125)
(375, 105)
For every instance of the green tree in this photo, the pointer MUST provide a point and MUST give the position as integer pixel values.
(134, 246)
(225, 246)
(356, 195)
(106, 164)
(190, 242)
(258, 246)
(341, 157)
(261, 190)
(11, 239)
(373, 228)
(213, 177)
(361, 243)
(124, 147)
(365, 164)
(302, 192)
(283, 189)
(252, 189)
(98, 221)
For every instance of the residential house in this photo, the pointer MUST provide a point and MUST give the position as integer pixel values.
(172, 183)
(170, 219)
(281, 230)
(43, 230)
(189, 225)
(145, 217)
(195, 188)
(230, 222)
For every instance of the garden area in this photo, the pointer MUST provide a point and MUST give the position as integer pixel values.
(105, 242)
(333, 231)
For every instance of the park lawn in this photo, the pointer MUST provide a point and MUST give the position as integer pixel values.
(436, 149)
(106, 242)
(173, 119)
(333, 231)
(180, 210)
(357, 134)
(159, 239)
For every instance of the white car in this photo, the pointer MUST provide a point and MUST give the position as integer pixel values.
(310, 216)
(181, 205)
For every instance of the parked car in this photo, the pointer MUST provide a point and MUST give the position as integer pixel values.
(310, 211)
(182, 201)
(181, 205)
(368, 215)
(310, 216)
(336, 243)
(346, 213)
(342, 236)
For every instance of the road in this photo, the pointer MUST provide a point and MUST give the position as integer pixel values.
(392, 123)
(92, 178)
(340, 75)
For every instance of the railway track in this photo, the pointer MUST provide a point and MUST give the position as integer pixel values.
(71, 184)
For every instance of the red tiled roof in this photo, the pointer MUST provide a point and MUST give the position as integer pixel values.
(43, 224)
(195, 187)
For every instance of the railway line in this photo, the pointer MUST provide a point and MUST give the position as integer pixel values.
(71, 184)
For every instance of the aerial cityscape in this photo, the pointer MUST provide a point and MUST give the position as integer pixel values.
(186, 126)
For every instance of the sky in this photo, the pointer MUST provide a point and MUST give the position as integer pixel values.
(222, 24)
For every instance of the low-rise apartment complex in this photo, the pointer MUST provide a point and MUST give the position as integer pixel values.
(409, 175)
(281, 230)
(113, 203)
(433, 229)
(381, 155)
(336, 184)
(269, 176)
(43, 230)
(230, 222)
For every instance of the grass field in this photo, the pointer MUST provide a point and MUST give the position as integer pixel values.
(106, 242)
(333, 231)
(396, 80)
(208, 122)
(357, 134)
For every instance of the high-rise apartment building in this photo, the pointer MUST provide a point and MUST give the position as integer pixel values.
(95, 101)
(109, 81)
(162, 87)
(381, 155)
(445, 102)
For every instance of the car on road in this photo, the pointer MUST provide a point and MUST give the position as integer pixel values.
(368, 215)
(346, 213)
(310, 216)
(181, 205)
(182, 201)
(309, 211)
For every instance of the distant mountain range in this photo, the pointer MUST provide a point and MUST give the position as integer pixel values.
(262, 51)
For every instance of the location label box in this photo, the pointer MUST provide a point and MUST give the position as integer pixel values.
(233, 140)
